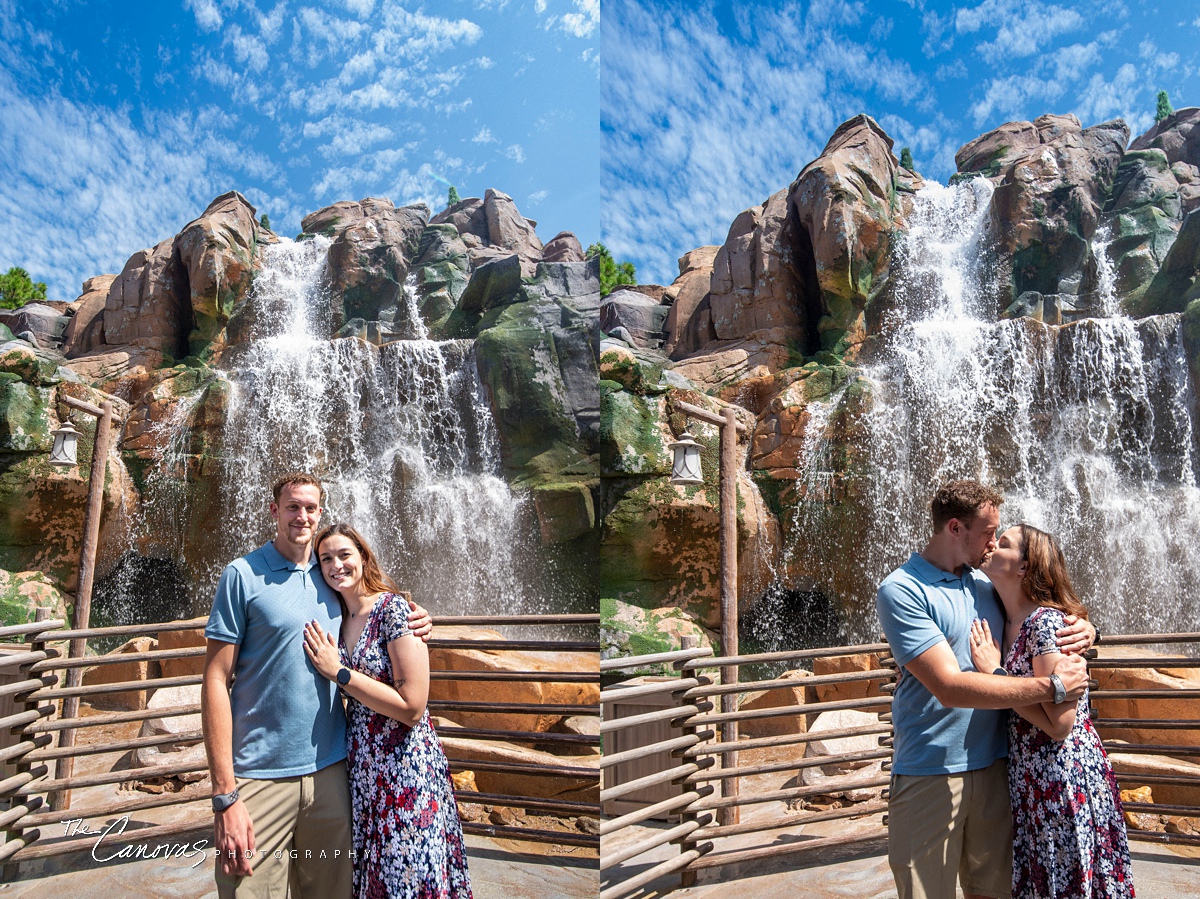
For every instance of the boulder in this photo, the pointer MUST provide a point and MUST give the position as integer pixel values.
(493, 284)
(834, 776)
(116, 363)
(578, 788)
(642, 317)
(172, 698)
(189, 639)
(563, 247)
(755, 286)
(857, 689)
(1129, 765)
(500, 660)
(1048, 200)
(468, 218)
(148, 304)
(631, 630)
(442, 272)
(735, 360)
(1176, 135)
(846, 208)
(778, 697)
(373, 246)
(120, 672)
(1162, 709)
(511, 231)
(217, 253)
(46, 324)
(22, 593)
(85, 330)
(1177, 281)
(689, 321)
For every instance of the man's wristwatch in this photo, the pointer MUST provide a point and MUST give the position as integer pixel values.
(222, 801)
(1060, 692)
(1002, 671)
(343, 676)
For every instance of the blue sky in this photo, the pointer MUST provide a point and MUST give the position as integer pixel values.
(119, 121)
(708, 108)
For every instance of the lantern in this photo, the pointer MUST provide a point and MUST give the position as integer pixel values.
(685, 468)
(66, 445)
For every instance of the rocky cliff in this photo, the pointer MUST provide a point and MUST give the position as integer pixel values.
(793, 321)
(161, 337)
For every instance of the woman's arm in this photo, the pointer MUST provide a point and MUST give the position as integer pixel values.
(1055, 719)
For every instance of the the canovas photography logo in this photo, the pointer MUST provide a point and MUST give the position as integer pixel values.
(109, 844)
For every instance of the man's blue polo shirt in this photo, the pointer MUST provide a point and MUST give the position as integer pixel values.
(287, 718)
(920, 605)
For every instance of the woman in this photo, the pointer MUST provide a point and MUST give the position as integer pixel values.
(407, 838)
(1068, 828)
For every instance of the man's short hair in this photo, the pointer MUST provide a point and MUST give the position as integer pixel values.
(961, 500)
(297, 477)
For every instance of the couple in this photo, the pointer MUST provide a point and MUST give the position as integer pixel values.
(288, 817)
(956, 803)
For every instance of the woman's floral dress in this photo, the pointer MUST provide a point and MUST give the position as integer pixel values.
(1068, 827)
(407, 838)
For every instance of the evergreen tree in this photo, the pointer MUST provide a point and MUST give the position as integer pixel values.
(264, 221)
(906, 159)
(452, 197)
(1163, 108)
(17, 289)
(613, 274)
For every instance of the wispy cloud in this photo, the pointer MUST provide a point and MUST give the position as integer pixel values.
(484, 136)
(208, 14)
(1023, 27)
(516, 153)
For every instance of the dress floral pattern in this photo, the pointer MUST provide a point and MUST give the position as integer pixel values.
(407, 838)
(1068, 826)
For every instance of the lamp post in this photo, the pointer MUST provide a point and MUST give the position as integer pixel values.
(64, 453)
(686, 470)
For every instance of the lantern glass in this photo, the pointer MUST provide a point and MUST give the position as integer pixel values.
(66, 445)
(685, 467)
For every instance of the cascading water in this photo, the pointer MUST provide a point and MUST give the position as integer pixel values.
(1088, 429)
(400, 434)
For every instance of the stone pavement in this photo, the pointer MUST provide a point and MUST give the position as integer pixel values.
(862, 873)
(499, 870)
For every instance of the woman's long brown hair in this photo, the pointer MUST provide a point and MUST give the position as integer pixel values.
(1046, 580)
(373, 578)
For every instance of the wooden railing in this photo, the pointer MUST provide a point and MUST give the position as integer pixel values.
(32, 798)
(692, 758)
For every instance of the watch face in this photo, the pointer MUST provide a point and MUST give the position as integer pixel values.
(343, 676)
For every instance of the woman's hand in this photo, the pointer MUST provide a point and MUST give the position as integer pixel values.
(322, 650)
(985, 651)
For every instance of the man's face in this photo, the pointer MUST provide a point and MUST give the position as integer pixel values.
(297, 513)
(979, 535)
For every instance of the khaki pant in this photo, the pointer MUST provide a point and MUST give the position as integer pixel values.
(947, 826)
(302, 838)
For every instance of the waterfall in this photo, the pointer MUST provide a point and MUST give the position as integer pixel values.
(401, 435)
(1087, 428)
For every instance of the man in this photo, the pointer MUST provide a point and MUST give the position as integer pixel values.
(949, 813)
(274, 728)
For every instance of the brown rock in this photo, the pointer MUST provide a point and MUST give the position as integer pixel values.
(655, 292)
(1145, 679)
(688, 327)
(845, 202)
(120, 672)
(773, 699)
(736, 359)
(85, 331)
(857, 689)
(451, 659)
(508, 229)
(112, 363)
(1129, 766)
(1176, 135)
(574, 788)
(188, 639)
(563, 247)
(469, 218)
(147, 304)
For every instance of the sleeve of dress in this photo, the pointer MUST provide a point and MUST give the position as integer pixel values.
(1043, 639)
(395, 619)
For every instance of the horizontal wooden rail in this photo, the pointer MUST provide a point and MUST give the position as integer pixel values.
(27, 686)
(657, 658)
(1159, 662)
(816, 680)
(789, 794)
(683, 800)
(131, 630)
(59, 752)
(508, 832)
(520, 736)
(19, 749)
(779, 850)
(681, 861)
(461, 764)
(24, 812)
(670, 685)
(533, 708)
(112, 718)
(613, 859)
(1148, 723)
(1166, 693)
(46, 785)
(668, 714)
(545, 677)
(17, 719)
(127, 686)
(22, 779)
(786, 656)
(788, 740)
(145, 836)
(583, 809)
(788, 765)
(448, 620)
(1130, 639)
(31, 628)
(1179, 780)
(1154, 836)
(16, 844)
(650, 780)
(612, 759)
(856, 810)
(117, 808)
(116, 658)
(793, 710)
(516, 645)
(1154, 808)
(18, 659)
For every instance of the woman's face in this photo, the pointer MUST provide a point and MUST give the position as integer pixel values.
(1005, 562)
(341, 564)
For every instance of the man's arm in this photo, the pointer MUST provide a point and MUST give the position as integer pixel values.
(234, 830)
(938, 670)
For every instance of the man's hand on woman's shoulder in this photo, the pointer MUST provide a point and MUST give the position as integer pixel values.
(420, 622)
(1077, 637)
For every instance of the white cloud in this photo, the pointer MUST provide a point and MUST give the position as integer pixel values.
(1102, 100)
(247, 49)
(360, 8)
(484, 62)
(536, 197)
(583, 22)
(516, 153)
(1023, 27)
(208, 15)
(484, 136)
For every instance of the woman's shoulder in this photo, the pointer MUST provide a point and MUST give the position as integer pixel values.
(1047, 615)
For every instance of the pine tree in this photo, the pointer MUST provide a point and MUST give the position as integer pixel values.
(906, 159)
(612, 273)
(452, 197)
(1163, 109)
(17, 288)
(264, 221)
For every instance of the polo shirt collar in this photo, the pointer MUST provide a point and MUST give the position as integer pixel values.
(277, 562)
(929, 572)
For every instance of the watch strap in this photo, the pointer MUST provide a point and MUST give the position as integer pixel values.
(222, 801)
(1060, 692)
(1002, 671)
